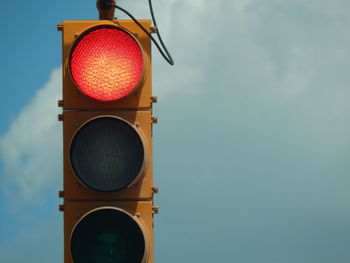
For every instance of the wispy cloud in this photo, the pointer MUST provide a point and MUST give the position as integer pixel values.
(31, 148)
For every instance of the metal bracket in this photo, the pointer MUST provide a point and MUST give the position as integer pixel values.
(154, 99)
(155, 189)
(61, 208)
(155, 209)
(154, 119)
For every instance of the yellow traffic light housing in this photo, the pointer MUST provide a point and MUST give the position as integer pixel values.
(107, 141)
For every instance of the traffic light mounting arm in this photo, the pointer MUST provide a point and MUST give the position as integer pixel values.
(106, 9)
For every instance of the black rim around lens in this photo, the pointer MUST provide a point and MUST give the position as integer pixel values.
(107, 236)
(107, 154)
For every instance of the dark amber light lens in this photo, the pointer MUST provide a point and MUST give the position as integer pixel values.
(106, 63)
(107, 154)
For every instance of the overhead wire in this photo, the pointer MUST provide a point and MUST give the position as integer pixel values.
(161, 48)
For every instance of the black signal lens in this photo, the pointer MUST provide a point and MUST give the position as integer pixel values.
(107, 154)
(107, 236)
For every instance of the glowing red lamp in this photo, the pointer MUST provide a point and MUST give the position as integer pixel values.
(106, 63)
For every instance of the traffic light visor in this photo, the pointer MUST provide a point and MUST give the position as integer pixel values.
(106, 63)
(108, 154)
(108, 234)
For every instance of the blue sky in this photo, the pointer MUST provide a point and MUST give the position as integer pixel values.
(252, 146)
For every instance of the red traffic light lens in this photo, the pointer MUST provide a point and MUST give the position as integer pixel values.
(106, 63)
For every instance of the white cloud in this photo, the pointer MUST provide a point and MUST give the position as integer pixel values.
(31, 149)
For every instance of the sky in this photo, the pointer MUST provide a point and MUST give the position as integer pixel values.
(252, 146)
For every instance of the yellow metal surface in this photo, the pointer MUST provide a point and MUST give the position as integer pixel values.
(136, 109)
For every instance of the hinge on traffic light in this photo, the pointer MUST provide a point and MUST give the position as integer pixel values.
(155, 209)
(155, 189)
(60, 103)
(61, 194)
(60, 117)
(59, 27)
(154, 99)
(154, 119)
(61, 208)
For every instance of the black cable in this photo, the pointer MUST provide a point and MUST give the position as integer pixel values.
(171, 62)
(165, 55)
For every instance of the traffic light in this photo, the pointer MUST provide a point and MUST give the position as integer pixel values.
(107, 142)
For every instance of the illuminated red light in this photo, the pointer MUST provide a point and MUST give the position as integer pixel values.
(106, 64)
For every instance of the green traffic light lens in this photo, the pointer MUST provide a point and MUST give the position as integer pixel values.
(107, 236)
